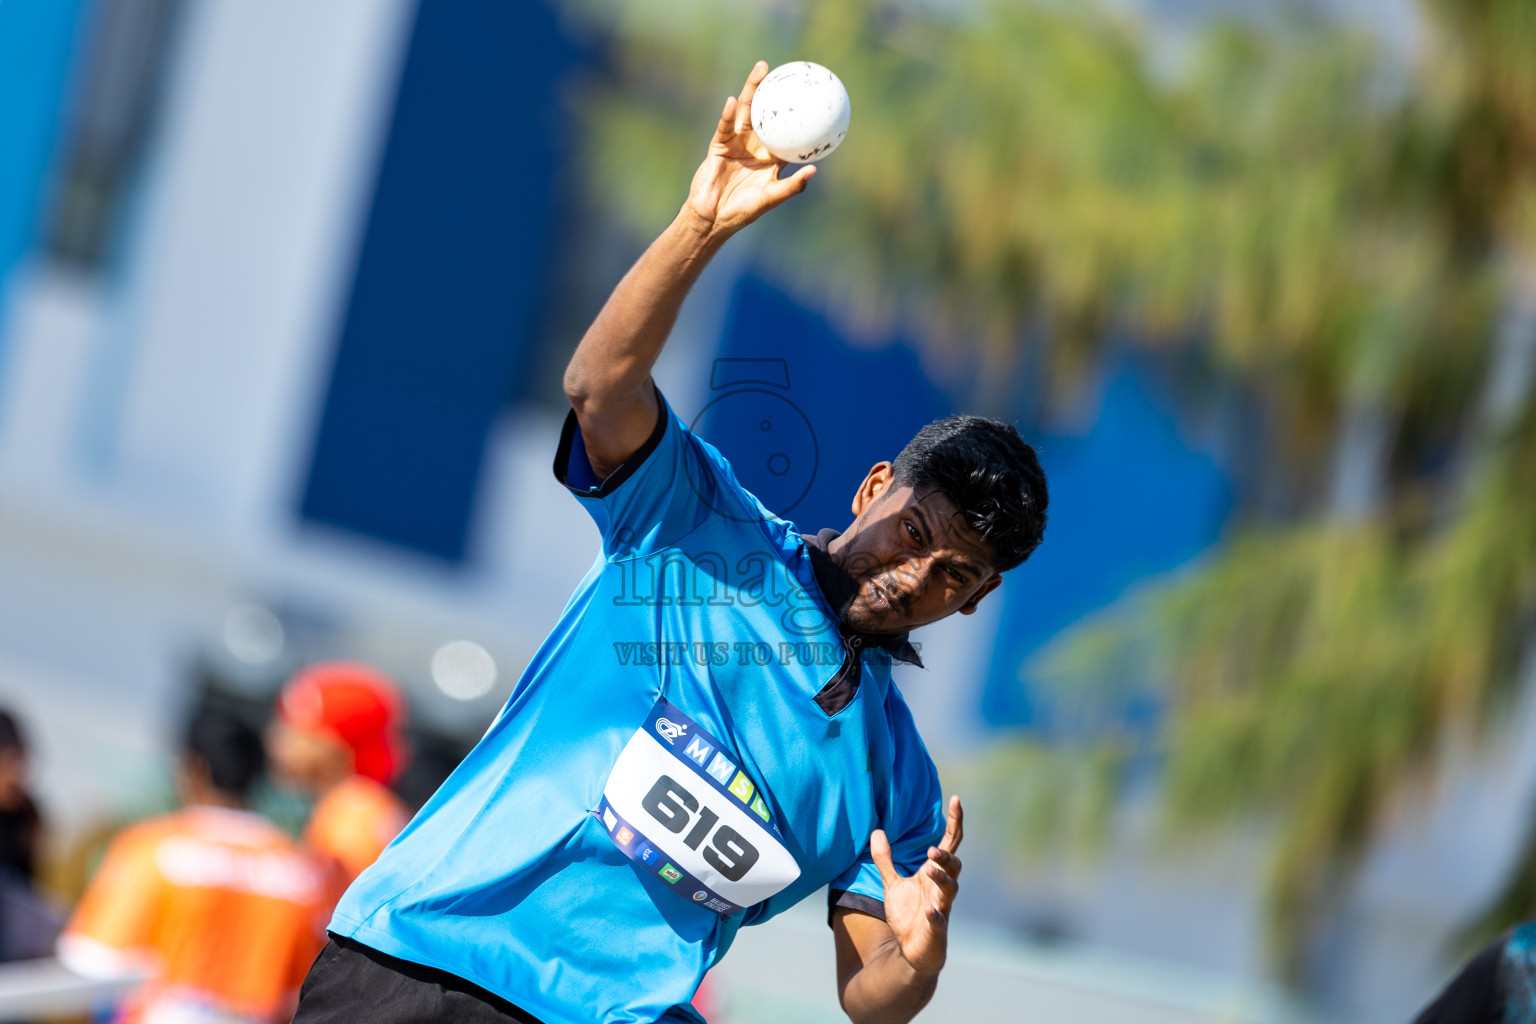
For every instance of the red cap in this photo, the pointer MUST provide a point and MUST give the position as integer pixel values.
(353, 703)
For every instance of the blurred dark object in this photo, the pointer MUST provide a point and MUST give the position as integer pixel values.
(111, 119)
(436, 755)
(28, 924)
(20, 822)
(1497, 986)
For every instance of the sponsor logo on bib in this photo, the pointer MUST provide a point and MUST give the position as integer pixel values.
(669, 731)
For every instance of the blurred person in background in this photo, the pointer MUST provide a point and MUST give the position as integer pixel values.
(219, 908)
(339, 735)
(20, 823)
(28, 924)
(1497, 986)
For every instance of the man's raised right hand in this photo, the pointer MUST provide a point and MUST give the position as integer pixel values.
(739, 179)
(608, 379)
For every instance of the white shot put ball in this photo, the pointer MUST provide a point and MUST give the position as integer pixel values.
(800, 111)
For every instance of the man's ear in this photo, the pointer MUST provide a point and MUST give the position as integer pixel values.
(990, 584)
(876, 481)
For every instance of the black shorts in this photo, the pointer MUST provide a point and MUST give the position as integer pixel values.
(350, 983)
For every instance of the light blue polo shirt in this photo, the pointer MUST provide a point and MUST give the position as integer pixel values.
(661, 775)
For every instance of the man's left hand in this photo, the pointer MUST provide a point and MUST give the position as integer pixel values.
(917, 905)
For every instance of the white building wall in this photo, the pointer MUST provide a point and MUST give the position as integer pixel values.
(188, 389)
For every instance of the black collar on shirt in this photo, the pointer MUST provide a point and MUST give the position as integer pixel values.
(839, 588)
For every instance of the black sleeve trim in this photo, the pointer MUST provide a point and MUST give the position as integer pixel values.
(853, 901)
(1472, 995)
(625, 471)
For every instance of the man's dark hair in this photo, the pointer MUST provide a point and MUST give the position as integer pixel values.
(228, 746)
(991, 475)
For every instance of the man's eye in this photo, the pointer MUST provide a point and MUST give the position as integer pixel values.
(956, 577)
(911, 531)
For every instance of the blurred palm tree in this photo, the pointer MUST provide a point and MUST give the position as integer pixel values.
(1341, 234)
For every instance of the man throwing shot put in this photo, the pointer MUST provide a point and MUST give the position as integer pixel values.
(624, 816)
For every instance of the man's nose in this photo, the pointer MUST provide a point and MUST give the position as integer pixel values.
(914, 573)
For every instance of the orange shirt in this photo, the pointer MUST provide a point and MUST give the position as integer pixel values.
(351, 825)
(220, 906)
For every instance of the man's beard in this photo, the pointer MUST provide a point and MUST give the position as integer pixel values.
(874, 607)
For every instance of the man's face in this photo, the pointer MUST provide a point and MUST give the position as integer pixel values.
(13, 778)
(305, 759)
(913, 557)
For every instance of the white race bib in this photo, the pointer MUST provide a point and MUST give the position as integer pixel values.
(679, 806)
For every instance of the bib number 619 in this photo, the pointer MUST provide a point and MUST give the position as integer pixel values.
(674, 807)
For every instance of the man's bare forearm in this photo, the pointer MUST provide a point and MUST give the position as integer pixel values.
(884, 988)
(608, 378)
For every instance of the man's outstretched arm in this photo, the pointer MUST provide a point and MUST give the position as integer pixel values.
(887, 970)
(609, 378)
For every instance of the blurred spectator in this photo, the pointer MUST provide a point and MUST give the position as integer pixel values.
(217, 906)
(19, 820)
(1497, 986)
(339, 734)
(28, 924)
(707, 999)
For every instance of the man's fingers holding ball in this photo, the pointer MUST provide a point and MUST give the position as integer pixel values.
(744, 104)
(783, 188)
(726, 127)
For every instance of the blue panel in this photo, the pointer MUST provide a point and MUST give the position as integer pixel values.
(36, 41)
(445, 299)
(1130, 500)
(844, 410)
